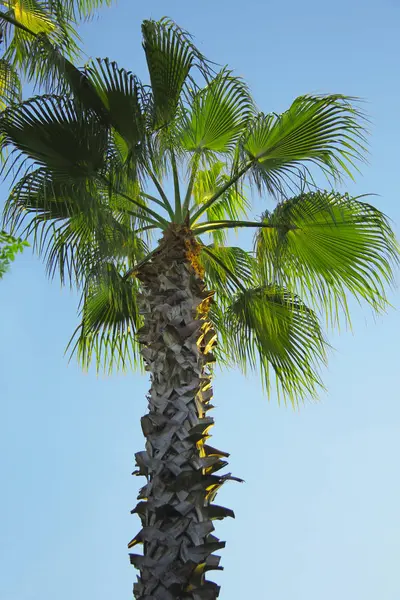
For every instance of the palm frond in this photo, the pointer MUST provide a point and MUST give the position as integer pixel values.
(10, 86)
(170, 55)
(227, 269)
(25, 24)
(67, 79)
(110, 321)
(325, 245)
(74, 9)
(325, 130)
(75, 225)
(34, 16)
(124, 97)
(269, 328)
(218, 115)
(55, 135)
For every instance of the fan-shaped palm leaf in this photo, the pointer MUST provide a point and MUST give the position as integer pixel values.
(170, 55)
(218, 115)
(76, 225)
(322, 130)
(325, 245)
(123, 96)
(52, 133)
(228, 269)
(269, 327)
(110, 321)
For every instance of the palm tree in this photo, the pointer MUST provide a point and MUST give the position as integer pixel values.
(129, 192)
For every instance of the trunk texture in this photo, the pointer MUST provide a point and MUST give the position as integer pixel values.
(175, 506)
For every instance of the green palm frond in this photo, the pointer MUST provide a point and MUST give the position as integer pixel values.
(26, 22)
(75, 225)
(110, 321)
(269, 328)
(218, 115)
(170, 55)
(123, 96)
(73, 9)
(228, 269)
(325, 245)
(32, 27)
(67, 79)
(54, 134)
(10, 86)
(124, 106)
(38, 192)
(79, 245)
(323, 130)
(33, 15)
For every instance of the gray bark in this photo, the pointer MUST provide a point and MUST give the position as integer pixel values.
(175, 506)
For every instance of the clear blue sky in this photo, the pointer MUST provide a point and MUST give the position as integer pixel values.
(318, 517)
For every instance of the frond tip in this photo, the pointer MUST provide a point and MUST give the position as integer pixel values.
(269, 327)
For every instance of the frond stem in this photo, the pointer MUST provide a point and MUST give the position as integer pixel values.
(167, 203)
(153, 199)
(178, 206)
(156, 217)
(192, 179)
(212, 226)
(154, 224)
(16, 23)
(147, 228)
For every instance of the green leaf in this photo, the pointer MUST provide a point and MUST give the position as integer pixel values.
(10, 86)
(75, 225)
(323, 130)
(269, 328)
(52, 133)
(170, 56)
(325, 245)
(227, 270)
(217, 116)
(24, 25)
(110, 321)
(73, 9)
(10, 246)
(68, 79)
(123, 96)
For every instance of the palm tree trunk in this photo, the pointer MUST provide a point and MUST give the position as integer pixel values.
(175, 505)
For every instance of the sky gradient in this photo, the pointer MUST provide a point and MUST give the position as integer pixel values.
(318, 516)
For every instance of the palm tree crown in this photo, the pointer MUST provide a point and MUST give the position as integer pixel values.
(117, 180)
(91, 158)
